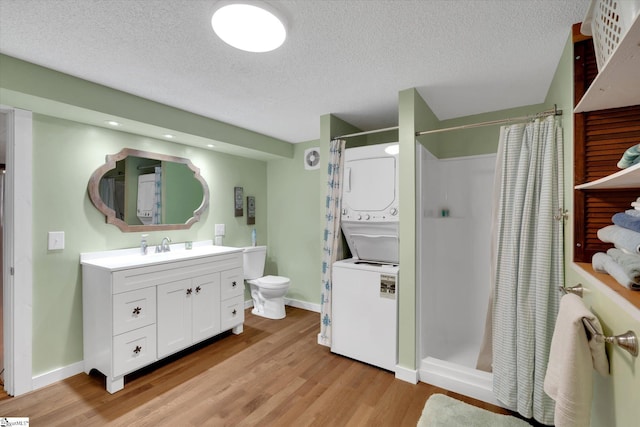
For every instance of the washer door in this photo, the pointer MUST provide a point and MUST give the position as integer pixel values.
(373, 241)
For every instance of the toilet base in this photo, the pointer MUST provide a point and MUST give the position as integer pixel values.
(269, 308)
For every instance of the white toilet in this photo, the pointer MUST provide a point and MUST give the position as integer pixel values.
(267, 292)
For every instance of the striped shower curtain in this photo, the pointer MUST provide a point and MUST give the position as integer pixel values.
(331, 235)
(529, 264)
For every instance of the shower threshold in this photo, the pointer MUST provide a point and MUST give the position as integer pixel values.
(459, 379)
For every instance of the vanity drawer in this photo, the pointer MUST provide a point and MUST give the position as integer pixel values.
(133, 310)
(134, 350)
(232, 312)
(232, 283)
(158, 274)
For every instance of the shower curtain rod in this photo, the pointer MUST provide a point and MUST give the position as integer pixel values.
(365, 133)
(550, 112)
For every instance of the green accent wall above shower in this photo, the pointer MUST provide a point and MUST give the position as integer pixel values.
(475, 141)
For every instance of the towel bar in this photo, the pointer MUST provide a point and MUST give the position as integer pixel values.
(577, 289)
(627, 341)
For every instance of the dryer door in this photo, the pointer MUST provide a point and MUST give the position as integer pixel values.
(369, 186)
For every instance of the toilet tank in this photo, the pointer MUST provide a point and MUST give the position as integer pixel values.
(253, 261)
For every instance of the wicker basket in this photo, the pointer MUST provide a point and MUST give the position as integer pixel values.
(608, 21)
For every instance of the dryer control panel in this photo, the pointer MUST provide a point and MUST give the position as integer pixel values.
(391, 214)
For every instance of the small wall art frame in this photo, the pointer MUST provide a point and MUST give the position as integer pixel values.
(238, 201)
(251, 210)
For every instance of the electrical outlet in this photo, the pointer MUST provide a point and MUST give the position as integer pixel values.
(220, 229)
(56, 240)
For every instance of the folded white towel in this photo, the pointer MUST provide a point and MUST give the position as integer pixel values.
(622, 238)
(603, 263)
(630, 264)
(636, 205)
(572, 358)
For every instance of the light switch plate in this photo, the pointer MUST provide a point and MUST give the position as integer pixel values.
(56, 240)
(220, 229)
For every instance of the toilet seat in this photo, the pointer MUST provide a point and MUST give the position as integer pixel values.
(272, 282)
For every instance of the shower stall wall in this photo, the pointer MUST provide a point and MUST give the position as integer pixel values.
(454, 273)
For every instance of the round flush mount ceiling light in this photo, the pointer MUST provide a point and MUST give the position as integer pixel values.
(249, 26)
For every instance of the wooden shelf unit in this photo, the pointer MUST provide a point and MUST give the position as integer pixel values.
(632, 296)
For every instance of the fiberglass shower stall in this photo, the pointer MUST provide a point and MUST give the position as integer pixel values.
(454, 270)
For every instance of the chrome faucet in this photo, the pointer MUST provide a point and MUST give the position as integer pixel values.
(164, 246)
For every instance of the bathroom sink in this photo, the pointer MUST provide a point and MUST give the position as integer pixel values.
(127, 258)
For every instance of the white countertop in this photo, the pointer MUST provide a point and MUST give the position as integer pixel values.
(120, 259)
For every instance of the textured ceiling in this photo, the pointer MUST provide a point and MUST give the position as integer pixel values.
(346, 57)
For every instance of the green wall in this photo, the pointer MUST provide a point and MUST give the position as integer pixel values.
(65, 155)
(294, 210)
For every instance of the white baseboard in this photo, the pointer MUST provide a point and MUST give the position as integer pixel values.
(302, 304)
(292, 303)
(56, 375)
(408, 375)
(460, 379)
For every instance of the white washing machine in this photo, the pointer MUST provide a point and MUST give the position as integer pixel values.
(365, 312)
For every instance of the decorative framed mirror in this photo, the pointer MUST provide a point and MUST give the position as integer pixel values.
(143, 191)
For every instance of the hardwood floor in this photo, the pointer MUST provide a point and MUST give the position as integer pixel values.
(273, 374)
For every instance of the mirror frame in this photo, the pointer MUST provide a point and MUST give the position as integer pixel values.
(110, 214)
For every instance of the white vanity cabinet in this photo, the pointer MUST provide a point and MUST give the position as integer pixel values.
(139, 309)
(188, 312)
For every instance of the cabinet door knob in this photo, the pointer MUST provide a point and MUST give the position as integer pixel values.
(137, 311)
(234, 312)
(189, 291)
(198, 289)
(234, 284)
(137, 350)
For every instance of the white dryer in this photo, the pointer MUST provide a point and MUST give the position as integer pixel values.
(370, 202)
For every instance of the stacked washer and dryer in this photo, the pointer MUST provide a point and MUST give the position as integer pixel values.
(365, 287)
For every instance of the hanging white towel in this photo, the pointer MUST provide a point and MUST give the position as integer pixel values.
(572, 359)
